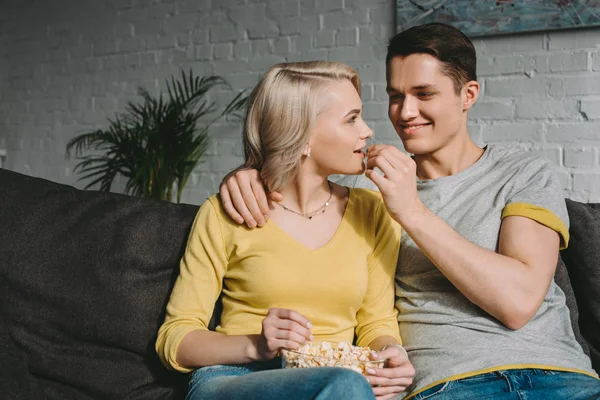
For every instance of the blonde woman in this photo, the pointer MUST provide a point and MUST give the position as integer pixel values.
(321, 269)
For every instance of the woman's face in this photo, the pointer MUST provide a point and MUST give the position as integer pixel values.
(338, 138)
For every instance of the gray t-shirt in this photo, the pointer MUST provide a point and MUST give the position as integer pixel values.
(447, 336)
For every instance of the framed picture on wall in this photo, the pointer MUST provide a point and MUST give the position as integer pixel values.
(493, 17)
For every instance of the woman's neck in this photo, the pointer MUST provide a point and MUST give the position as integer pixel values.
(306, 194)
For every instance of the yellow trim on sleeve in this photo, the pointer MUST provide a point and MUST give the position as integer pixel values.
(541, 215)
(499, 368)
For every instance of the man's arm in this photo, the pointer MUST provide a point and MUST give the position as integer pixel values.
(509, 285)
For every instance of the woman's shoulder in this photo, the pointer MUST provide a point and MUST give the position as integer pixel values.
(365, 200)
(212, 208)
(366, 194)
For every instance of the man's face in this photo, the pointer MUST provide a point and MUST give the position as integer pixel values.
(424, 107)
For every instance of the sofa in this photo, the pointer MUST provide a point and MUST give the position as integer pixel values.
(85, 277)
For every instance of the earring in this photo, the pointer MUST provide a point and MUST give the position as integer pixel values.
(308, 153)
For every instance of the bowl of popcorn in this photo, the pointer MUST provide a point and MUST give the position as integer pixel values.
(329, 354)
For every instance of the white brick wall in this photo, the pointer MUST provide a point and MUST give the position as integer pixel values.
(66, 66)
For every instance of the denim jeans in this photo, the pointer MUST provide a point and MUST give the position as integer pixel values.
(267, 381)
(518, 384)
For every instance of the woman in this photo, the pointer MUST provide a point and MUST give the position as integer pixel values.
(317, 271)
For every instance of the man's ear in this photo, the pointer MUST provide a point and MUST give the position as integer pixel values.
(470, 94)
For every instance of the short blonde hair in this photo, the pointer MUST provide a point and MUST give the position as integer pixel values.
(281, 112)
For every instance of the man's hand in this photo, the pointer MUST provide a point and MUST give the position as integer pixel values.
(396, 375)
(244, 198)
(398, 185)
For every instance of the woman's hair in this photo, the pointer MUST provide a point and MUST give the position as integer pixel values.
(281, 112)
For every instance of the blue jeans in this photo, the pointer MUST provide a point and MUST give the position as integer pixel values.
(517, 384)
(267, 381)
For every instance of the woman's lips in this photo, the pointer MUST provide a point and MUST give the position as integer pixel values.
(360, 153)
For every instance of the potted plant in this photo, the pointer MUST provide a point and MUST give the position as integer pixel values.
(156, 144)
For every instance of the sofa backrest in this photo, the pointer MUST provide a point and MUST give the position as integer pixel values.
(85, 277)
(582, 258)
(84, 280)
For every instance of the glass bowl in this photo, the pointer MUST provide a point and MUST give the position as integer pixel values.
(330, 354)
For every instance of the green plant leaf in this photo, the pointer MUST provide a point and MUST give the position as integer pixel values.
(157, 142)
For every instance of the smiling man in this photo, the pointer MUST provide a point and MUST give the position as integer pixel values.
(479, 312)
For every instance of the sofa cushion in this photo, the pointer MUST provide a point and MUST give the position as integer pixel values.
(582, 258)
(84, 280)
(561, 277)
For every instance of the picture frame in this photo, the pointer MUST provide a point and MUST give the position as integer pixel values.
(496, 17)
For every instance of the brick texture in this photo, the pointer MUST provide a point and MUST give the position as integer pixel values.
(65, 67)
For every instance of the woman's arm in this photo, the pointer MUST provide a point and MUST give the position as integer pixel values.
(201, 348)
(184, 341)
(280, 329)
(377, 316)
(197, 287)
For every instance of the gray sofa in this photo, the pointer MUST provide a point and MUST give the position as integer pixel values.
(85, 277)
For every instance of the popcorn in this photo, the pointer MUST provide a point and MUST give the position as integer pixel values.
(327, 354)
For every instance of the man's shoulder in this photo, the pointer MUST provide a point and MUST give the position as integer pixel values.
(518, 161)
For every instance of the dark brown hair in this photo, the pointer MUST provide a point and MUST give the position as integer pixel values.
(449, 45)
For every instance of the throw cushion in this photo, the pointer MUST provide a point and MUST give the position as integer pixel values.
(582, 258)
(84, 280)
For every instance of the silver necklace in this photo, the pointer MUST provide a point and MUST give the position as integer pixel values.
(319, 211)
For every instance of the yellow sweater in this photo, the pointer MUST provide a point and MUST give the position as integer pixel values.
(344, 288)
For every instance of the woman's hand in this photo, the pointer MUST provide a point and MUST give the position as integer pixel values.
(396, 375)
(398, 184)
(281, 329)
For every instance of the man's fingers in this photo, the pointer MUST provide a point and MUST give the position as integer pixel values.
(276, 197)
(383, 165)
(228, 205)
(261, 197)
(377, 178)
(240, 204)
(394, 157)
(246, 189)
(376, 148)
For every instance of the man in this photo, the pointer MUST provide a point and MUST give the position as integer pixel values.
(480, 314)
